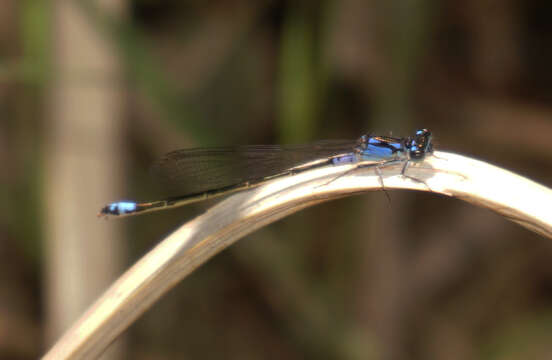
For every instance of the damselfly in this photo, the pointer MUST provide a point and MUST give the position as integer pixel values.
(214, 172)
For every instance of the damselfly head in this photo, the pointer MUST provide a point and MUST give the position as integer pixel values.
(420, 144)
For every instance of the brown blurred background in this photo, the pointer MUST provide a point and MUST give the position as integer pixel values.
(92, 92)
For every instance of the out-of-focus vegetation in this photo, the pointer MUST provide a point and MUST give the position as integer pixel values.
(419, 278)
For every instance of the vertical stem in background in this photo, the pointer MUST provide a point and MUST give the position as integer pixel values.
(83, 165)
(33, 70)
(298, 76)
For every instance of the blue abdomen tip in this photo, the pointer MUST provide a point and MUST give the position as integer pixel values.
(120, 208)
